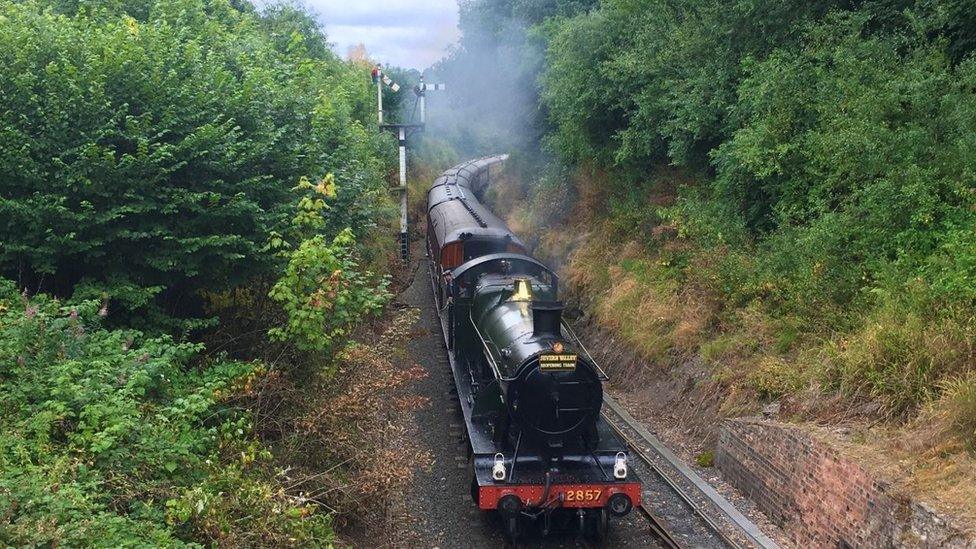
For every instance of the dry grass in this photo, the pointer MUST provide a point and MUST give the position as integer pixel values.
(334, 436)
(590, 184)
(958, 403)
(643, 318)
(905, 365)
(662, 318)
(952, 417)
(919, 460)
(900, 356)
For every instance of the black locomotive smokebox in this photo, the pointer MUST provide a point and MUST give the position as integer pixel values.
(552, 405)
(554, 401)
(547, 317)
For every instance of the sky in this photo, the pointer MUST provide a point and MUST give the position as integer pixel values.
(407, 33)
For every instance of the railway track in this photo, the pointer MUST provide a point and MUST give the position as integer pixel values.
(671, 479)
(659, 529)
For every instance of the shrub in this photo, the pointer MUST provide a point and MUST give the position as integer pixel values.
(147, 148)
(834, 196)
(323, 293)
(112, 438)
(323, 290)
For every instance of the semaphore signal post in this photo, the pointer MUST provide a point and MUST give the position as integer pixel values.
(403, 133)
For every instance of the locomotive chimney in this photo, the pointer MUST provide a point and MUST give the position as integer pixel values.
(547, 318)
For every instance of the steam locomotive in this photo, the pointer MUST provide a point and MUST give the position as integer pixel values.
(529, 391)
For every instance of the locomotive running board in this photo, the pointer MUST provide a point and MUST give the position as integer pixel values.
(459, 381)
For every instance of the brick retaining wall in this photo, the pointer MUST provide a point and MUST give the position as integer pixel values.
(820, 498)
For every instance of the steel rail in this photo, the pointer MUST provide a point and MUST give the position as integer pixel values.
(739, 521)
(672, 485)
(576, 339)
(658, 528)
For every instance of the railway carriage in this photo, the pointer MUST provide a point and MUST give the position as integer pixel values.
(529, 392)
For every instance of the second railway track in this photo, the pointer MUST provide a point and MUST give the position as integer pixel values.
(683, 509)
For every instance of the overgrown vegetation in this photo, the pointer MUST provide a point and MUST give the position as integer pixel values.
(830, 147)
(784, 189)
(116, 438)
(148, 150)
(323, 290)
(192, 201)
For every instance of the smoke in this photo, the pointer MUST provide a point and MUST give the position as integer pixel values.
(491, 104)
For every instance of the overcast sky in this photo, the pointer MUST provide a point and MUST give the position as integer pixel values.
(408, 33)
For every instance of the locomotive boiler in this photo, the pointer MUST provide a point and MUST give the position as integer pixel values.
(529, 391)
(551, 394)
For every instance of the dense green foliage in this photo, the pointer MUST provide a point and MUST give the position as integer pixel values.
(841, 137)
(108, 438)
(806, 164)
(323, 290)
(871, 166)
(833, 146)
(148, 149)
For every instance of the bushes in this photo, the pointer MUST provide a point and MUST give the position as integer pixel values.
(833, 148)
(851, 167)
(323, 290)
(148, 150)
(112, 438)
(873, 153)
(839, 139)
(323, 293)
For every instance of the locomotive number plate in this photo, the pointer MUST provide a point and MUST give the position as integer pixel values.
(583, 495)
(557, 362)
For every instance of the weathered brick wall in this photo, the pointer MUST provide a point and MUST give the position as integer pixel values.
(819, 497)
